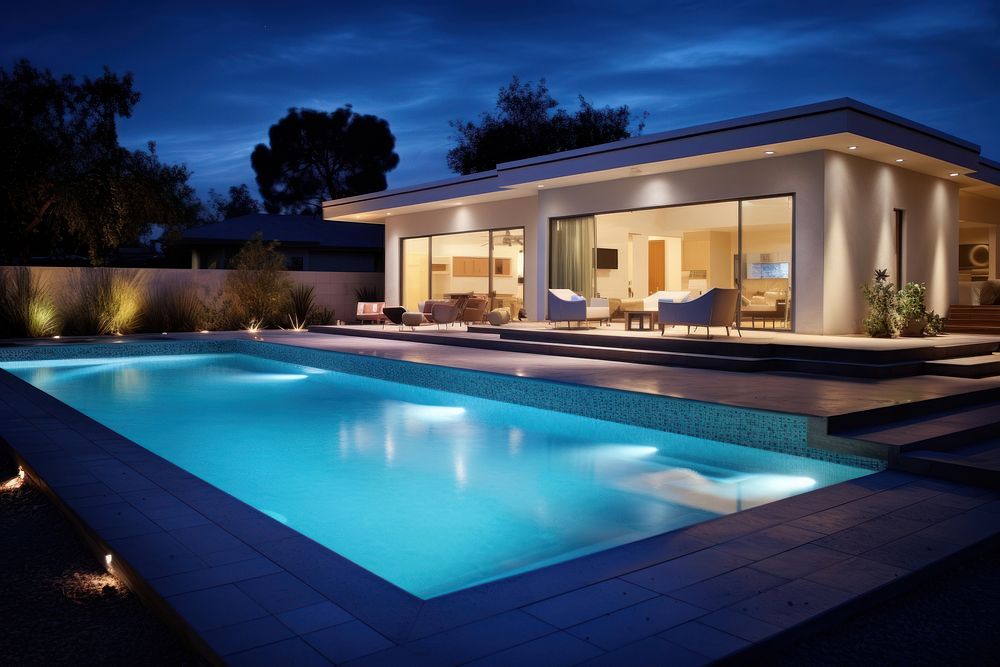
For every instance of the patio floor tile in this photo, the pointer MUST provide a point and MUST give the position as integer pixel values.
(795, 602)
(249, 634)
(705, 639)
(482, 638)
(589, 602)
(800, 561)
(217, 607)
(287, 653)
(686, 570)
(725, 589)
(857, 575)
(650, 652)
(346, 641)
(769, 541)
(637, 622)
(280, 592)
(314, 617)
(740, 625)
(554, 650)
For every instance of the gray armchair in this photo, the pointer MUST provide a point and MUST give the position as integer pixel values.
(714, 308)
(567, 306)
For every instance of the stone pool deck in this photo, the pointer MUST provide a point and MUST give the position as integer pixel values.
(247, 590)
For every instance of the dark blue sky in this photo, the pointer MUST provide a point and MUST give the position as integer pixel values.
(215, 75)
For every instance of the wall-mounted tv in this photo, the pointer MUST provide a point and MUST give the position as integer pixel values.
(607, 258)
(767, 270)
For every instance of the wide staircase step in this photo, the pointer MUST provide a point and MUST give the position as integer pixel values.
(936, 430)
(978, 463)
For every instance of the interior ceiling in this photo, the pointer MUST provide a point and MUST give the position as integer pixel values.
(865, 148)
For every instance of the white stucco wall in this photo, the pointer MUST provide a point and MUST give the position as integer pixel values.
(504, 214)
(860, 235)
(801, 175)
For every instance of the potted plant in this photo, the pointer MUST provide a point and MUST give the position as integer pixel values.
(911, 310)
(882, 320)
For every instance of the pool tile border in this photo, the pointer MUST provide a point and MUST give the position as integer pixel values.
(210, 562)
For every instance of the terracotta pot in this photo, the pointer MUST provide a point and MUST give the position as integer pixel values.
(914, 328)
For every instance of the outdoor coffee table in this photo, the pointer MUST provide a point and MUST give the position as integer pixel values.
(641, 316)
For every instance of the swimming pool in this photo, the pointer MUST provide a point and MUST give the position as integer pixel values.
(431, 490)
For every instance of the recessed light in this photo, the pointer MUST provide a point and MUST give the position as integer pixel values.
(899, 159)
(458, 203)
(541, 185)
(852, 148)
(768, 152)
(954, 173)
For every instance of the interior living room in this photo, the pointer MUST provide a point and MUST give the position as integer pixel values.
(682, 251)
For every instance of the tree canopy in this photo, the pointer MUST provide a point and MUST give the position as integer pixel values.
(524, 125)
(315, 156)
(65, 182)
(239, 202)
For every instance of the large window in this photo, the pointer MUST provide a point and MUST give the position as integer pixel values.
(488, 264)
(746, 244)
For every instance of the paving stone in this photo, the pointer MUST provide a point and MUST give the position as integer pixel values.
(233, 555)
(346, 641)
(927, 511)
(870, 534)
(725, 589)
(589, 602)
(207, 538)
(249, 634)
(769, 541)
(482, 638)
(217, 607)
(686, 570)
(554, 650)
(913, 551)
(156, 555)
(705, 640)
(649, 652)
(800, 561)
(835, 519)
(740, 625)
(210, 577)
(729, 527)
(288, 653)
(637, 622)
(314, 617)
(793, 603)
(280, 592)
(857, 575)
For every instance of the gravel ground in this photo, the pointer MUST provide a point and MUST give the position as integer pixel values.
(57, 604)
(952, 619)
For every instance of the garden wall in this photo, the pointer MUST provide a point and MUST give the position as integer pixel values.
(333, 290)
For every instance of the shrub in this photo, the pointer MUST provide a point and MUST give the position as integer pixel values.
(26, 305)
(882, 320)
(255, 287)
(106, 301)
(935, 324)
(177, 308)
(321, 315)
(300, 306)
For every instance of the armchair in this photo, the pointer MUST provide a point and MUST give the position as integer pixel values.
(567, 306)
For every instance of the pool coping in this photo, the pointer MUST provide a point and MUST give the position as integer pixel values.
(243, 586)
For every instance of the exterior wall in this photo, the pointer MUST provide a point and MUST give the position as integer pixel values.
(974, 208)
(801, 175)
(860, 236)
(332, 290)
(504, 214)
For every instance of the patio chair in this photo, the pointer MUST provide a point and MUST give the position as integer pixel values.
(393, 314)
(714, 308)
(568, 306)
(445, 313)
(475, 310)
(370, 311)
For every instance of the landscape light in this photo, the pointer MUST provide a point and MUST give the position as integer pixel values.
(107, 560)
(20, 473)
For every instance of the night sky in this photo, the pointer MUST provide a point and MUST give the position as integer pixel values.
(215, 75)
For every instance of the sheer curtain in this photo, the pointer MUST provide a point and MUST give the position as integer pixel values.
(572, 254)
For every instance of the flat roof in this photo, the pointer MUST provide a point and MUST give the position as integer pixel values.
(796, 129)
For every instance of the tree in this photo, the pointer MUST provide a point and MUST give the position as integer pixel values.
(524, 125)
(64, 179)
(316, 156)
(240, 202)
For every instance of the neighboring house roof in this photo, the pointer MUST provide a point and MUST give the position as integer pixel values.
(289, 230)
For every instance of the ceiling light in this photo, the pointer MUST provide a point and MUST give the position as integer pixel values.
(541, 185)
(768, 152)
(899, 159)
(852, 148)
(458, 203)
(954, 173)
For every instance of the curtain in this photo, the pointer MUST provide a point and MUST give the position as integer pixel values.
(571, 263)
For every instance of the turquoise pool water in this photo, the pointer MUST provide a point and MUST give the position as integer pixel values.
(431, 490)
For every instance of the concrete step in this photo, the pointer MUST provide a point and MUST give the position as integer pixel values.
(938, 431)
(982, 366)
(974, 464)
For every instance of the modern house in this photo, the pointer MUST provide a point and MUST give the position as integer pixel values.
(308, 243)
(797, 207)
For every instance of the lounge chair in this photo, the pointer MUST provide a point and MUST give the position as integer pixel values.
(445, 313)
(568, 306)
(393, 314)
(714, 308)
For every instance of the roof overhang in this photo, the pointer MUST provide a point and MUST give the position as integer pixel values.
(836, 125)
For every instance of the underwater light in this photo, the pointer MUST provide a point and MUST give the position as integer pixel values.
(434, 413)
(628, 451)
